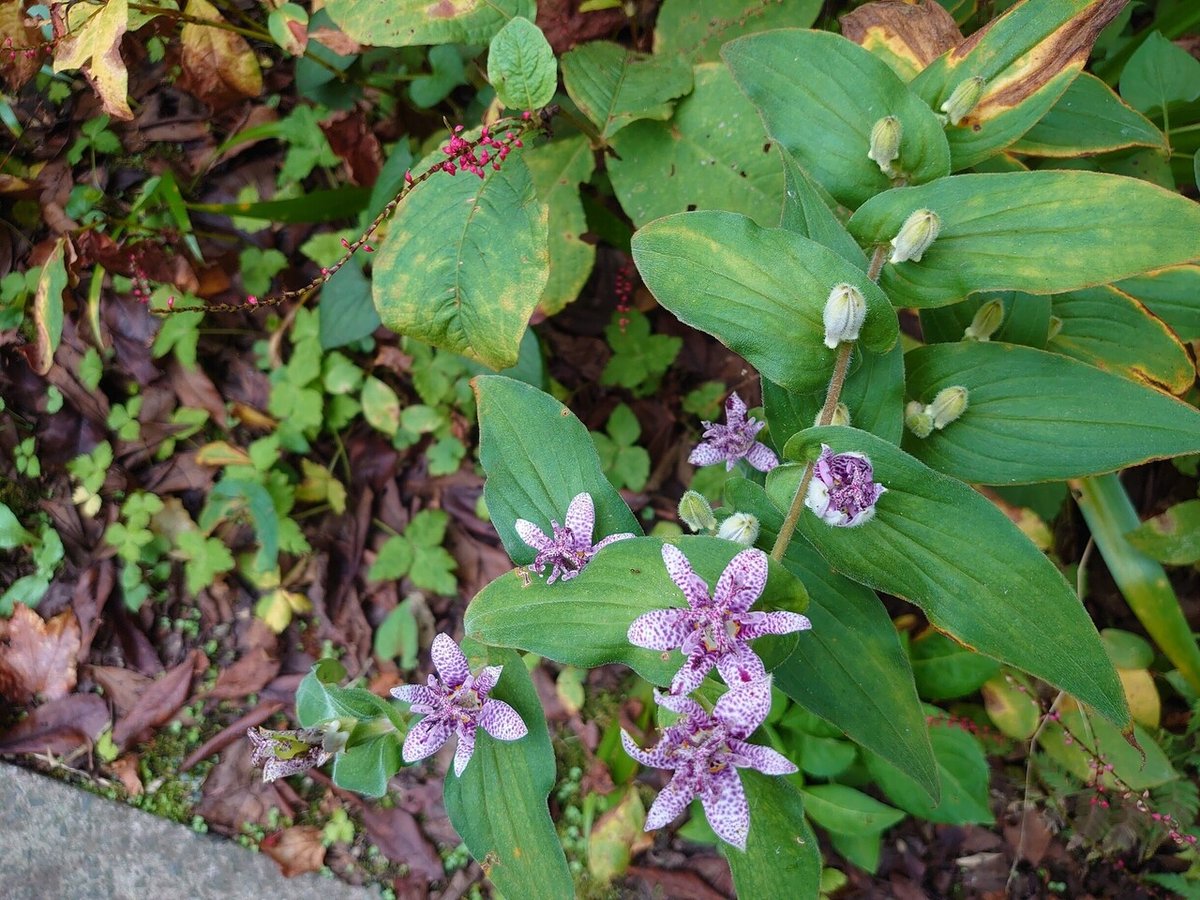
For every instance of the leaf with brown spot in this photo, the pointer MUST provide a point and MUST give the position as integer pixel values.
(48, 306)
(37, 658)
(296, 850)
(19, 69)
(1028, 57)
(161, 700)
(90, 39)
(906, 36)
(219, 66)
(58, 726)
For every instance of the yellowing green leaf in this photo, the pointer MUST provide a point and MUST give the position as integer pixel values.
(217, 62)
(48, 307)
(93, 44)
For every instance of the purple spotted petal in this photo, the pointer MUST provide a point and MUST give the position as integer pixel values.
(765, 759)
(652, 757)
(744, 708)
(464, 751)
(501, 721)
(426, 737)
(742, 582)
(612, 539)
(532, 535)
(691, 674)
(735, 410)
(449, 661)
(679, 703)
(416, 694)
(778, 621)
(659, 629)
(741, 666)
(726, 809)
(694, 588)
(487, 678)
(669, 804)
(705, 455)
(762, 458)
(581, 517)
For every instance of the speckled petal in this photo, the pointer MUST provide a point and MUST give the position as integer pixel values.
(692, 673)
(742, 582)
(679, 703)
(464, 751)
(426, 738)
(694, 588)
(765, 759)
(740, 666)
(659, 629)
(487, 678)
(581, 517)
(726, 809)
(817, 498)
(652, 757)
(762, 457)
(669, 804)
(743, 708)
(415, 693)
(532, 535)
(735, 409)
(775, 622)
(501, 721)
(449, 661)
(612, 539)
(705, 455)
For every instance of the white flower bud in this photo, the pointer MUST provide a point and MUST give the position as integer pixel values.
(964, 99)
(841, 416)
(1056, 325)
(948, 405)
(741, 528)
(696, 513)
(885, 144)
(845, 312)
(987, 321)
(916, 234)
(918, 419)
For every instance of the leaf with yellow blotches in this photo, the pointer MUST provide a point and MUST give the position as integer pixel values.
(907, 37)
(90, 39)
(218, 65)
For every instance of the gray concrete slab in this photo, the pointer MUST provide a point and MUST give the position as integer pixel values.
(62, 843)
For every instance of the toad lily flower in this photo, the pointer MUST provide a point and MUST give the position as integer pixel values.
(734, 440)
(842, 491)
(570, 548)
(705, 750)
(456, 701)
(716, 630)
(284, 753)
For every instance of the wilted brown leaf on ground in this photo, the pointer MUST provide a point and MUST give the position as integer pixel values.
(123, 687)
(351, 139)
(58, 727)
(255, 668)
(23, 66)
(234, 792)
(37, 658)
(126, 770)
(296, 850)
(161, 700)
(90, 39)
(398, 836)
(218, 66)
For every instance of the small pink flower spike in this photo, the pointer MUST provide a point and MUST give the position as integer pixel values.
(252, 300)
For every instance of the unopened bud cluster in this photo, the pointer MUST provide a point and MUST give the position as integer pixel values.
(919, 230)
(491, 150)
(949, 404)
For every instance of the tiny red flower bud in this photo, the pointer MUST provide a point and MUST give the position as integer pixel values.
(252, 300)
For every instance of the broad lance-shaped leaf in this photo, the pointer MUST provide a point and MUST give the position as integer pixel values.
(782, 856)
(48, 306)
(939, 544)
(521, 66)
(613, 86)
(1089, 118)
(558, 168)
(1041, 232)
(1038, 416)
(498, 806)
(1110, 330)
(820, 95)
(1171, 295)
(403, 23)
(538, 457)
(806, 211)
(1027, 58)
(464, 262)
(712, 154)
(850, 668)
(760, 291)
(585, 621)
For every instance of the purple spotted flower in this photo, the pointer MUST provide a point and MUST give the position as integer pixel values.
(456, 701)
(570, 548)
(842, 490)
(284, 753)
(716, 630)
(734, 440)
(705, 750)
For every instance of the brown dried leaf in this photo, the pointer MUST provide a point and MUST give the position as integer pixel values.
(234, 792)
(123, 687)
(336, 40)
(126, 770)
(254, 670)
(90, 39)
(352, 140)
(161, 700)
(907, 36)
(58, 726)
(397, 835)
(37, 658)
(13, 27)
(218, 66)
(296, 850)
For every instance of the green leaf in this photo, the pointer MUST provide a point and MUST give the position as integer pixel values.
(345, 308)
(640, 358)
(685, 28)
(205, 559)
(841, 809)
(499, 807)
(538, 456)
(1158, 74)
(1028, 57)
(807, 212)
(864, 850)
(1010, 603)
(623, 426)
(1110, 330)
(313, 702)
(231, 495)
(944, 669)
(1089, 118)
(1041, 232)
(585, 621)
(873, 393)
(1138, 768)
(48, 304)
(447, 73)
(850, 668)
(1171, 295)
(381, 406)
(404, 23)
(614, 86)
(963, 775)
(12, 534)
(713, 154)
(465, 261)
(631, 467)
(760, 291)
(1015, 431)
(432, 569)
(397, 637)
(1172, 537)
(394, 560)
(521, 66)
(366, 767)
(820, 94)
(782, 857)
(558, 168)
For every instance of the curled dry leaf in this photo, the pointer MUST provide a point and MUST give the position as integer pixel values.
(218, 65)
(908, 36)
(58, 727)
(38, 658)
(160, 701)
(296, 850)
